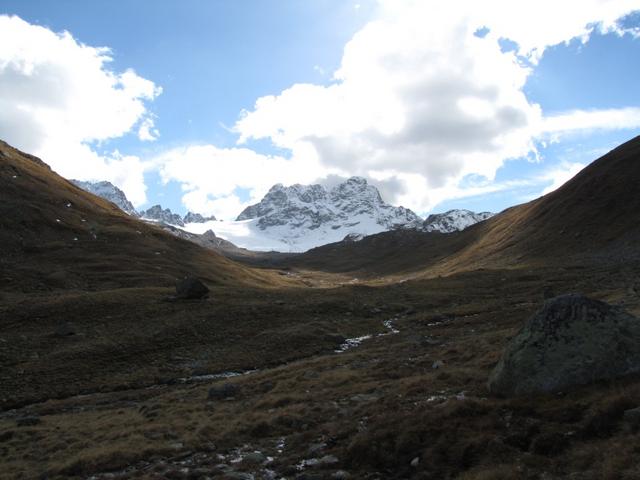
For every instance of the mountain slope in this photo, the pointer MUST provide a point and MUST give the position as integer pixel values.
(593, 218)
(56, 235)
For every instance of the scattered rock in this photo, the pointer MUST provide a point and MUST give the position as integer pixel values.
(191, 288)
(573, 340)
(222, 392)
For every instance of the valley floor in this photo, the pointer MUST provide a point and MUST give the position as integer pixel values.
(114, 384)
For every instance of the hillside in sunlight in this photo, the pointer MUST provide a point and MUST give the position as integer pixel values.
(594, 218)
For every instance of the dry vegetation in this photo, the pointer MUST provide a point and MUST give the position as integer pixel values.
(376, 407)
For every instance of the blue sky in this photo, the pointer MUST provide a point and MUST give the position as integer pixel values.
(237, 96)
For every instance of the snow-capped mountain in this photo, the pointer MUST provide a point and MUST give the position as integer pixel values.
(108, 191)
(297, 218)
(158, 214)
(300, 217)
(353, 203)
(453, 220)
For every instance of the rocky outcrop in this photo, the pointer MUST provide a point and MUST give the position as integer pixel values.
(573, 340)
(453, 220)
(109, 192)
(158, 214)
(191, 217)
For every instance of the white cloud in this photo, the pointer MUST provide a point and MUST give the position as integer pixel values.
(210, 176)
(586, 120)
(58, 99)
(421, 99)
(560, 174)
(147, 131)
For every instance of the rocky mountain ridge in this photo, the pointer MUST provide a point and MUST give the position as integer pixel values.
(313, 206)
(110, 192)
(298, 217)
(453, 220)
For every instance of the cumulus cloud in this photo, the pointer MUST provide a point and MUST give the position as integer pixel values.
(59, 99)
(424, 100)
(560, 175)
(147, 131)
(211, 176)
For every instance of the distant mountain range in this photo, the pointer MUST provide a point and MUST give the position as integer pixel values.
(300, 217)
(156, 213)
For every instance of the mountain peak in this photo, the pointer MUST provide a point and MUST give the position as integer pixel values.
(453, 220)
(294, 214)
(108, 191)
(192, 217)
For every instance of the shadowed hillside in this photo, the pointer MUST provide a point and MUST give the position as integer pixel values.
(55, 235)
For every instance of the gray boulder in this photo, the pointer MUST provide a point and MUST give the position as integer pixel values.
(573, 340)
(191, 288)
(222, 392)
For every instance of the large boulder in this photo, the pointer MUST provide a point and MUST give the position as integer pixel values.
(573, 340)
(191, 288)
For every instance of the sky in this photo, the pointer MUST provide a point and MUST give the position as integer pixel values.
(204, 105)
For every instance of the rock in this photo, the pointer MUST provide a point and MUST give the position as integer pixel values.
(573, 340)
(28, 421)
(315, 448)
(365, 397)
(191, 288)
(64, 330)
(632, 418)
(415, 462)
(341, 475)
(328, 460)
(238, 476)
(309, 476)
(223, 391)
(255, 458)
(437, 364)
